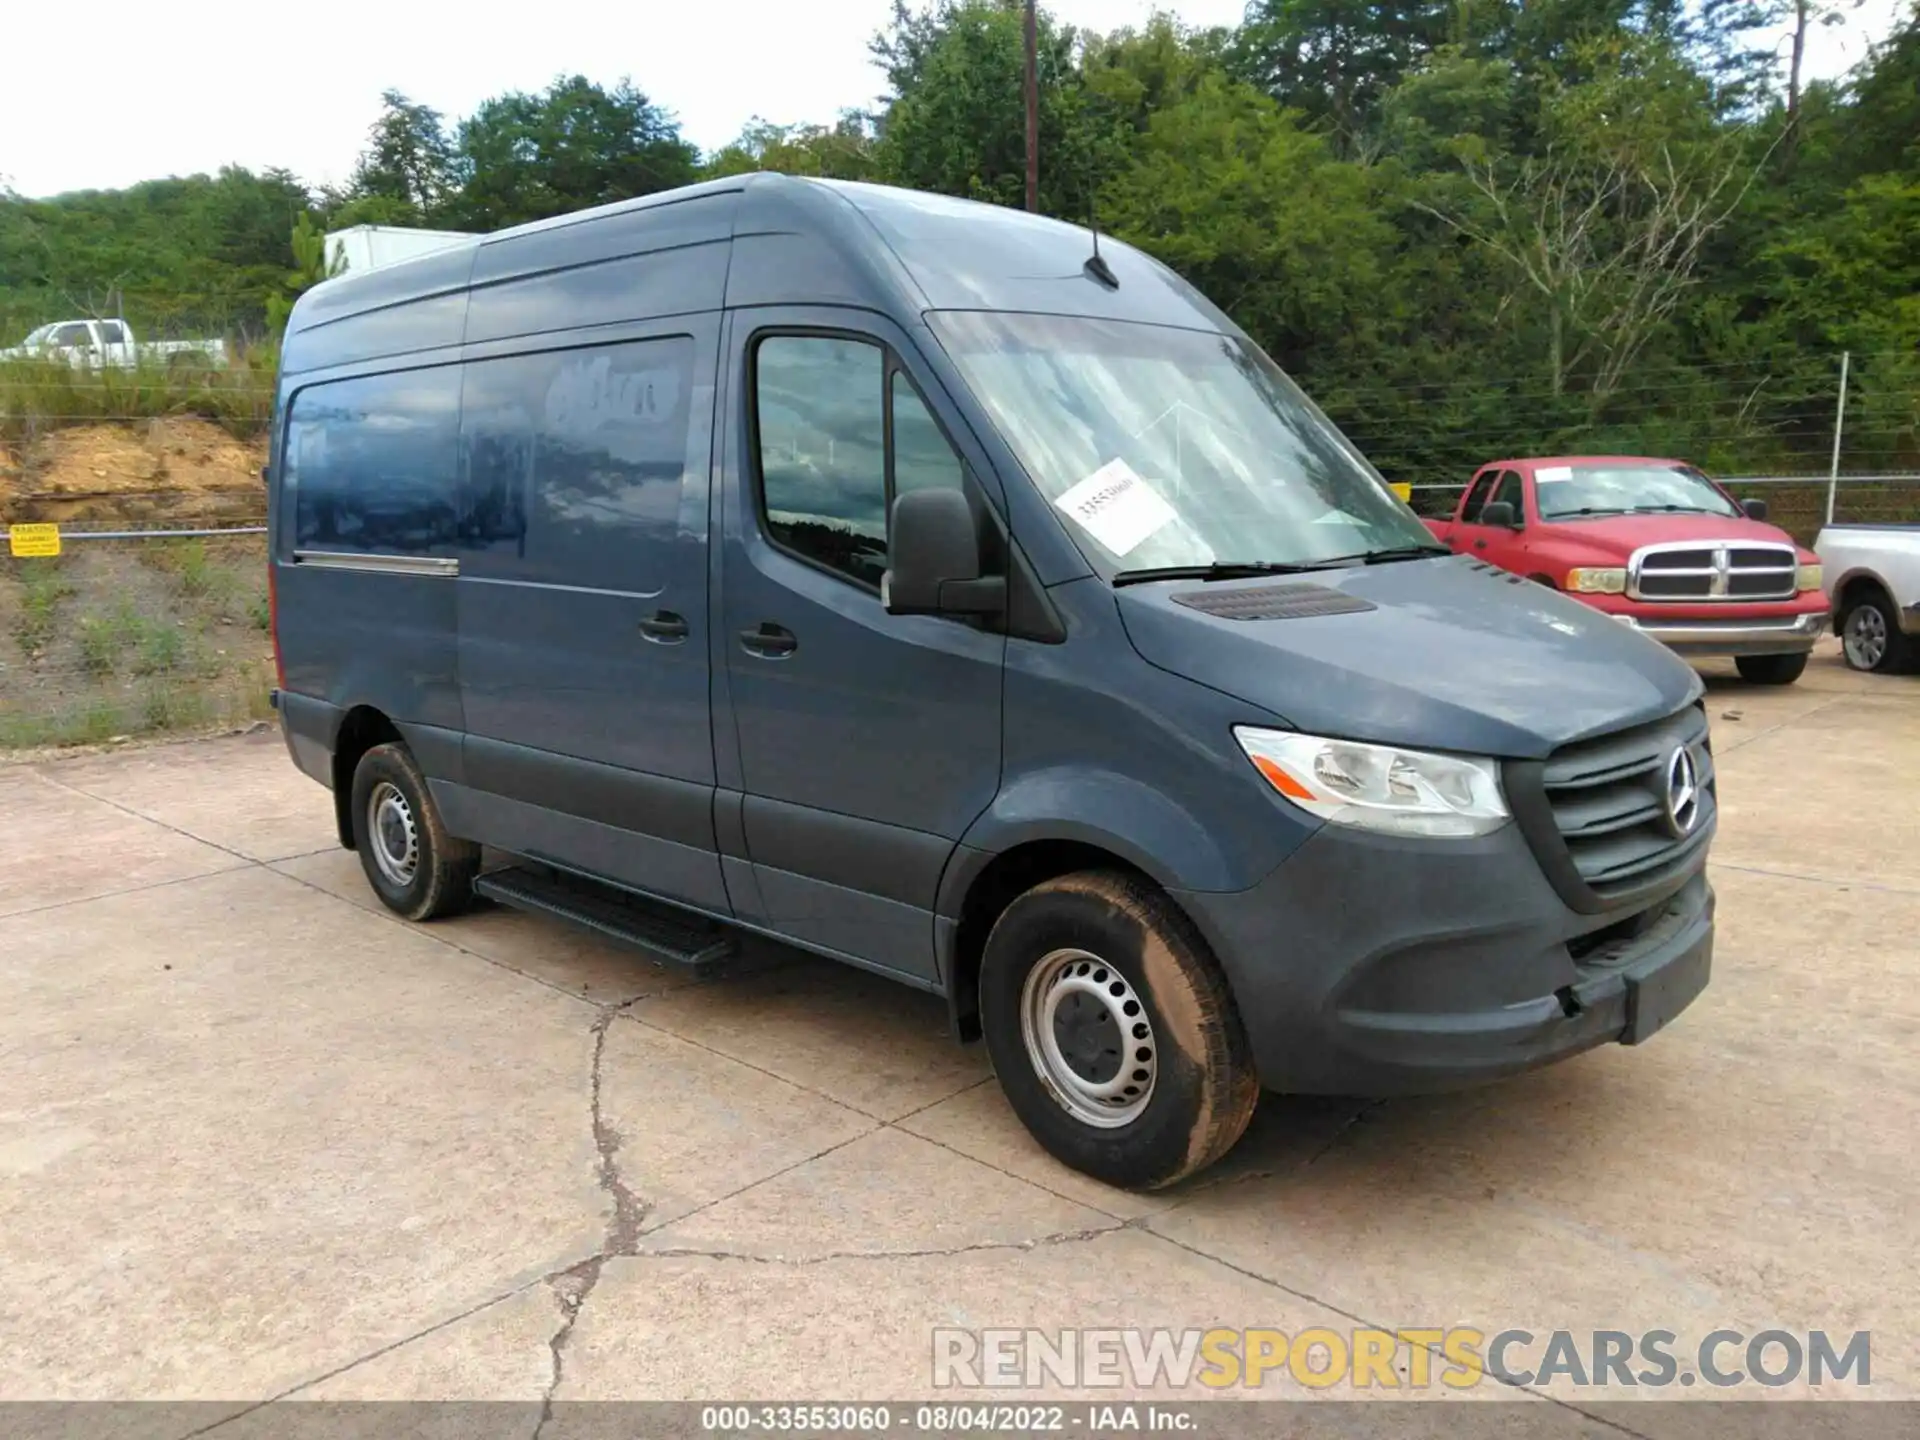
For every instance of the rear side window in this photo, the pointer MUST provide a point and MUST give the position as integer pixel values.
(820, 409)
(111, 333)
(372, 463)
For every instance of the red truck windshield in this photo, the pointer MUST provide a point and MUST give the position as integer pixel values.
(1570, 492)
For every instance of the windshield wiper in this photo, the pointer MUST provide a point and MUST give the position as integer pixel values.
(1672, 510)
(1391, 554)
(1219, 570)
(1243, 569)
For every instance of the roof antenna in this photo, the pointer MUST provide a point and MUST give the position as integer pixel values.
(1097, 268)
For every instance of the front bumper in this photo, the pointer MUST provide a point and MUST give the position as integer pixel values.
(1371, 966)
(1779, 635)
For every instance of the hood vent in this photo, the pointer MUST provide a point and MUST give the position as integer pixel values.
(1274, 602)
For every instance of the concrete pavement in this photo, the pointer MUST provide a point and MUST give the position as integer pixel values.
(258, 1138)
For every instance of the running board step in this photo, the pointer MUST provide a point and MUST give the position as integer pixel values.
(663, 934)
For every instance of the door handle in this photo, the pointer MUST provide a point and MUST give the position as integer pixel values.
(767, 639)
(664, 627)
(1479, 544)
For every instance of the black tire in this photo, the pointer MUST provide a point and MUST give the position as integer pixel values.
(439, 881)
(1202, 1088)
(1868, 617)
(1771, 669)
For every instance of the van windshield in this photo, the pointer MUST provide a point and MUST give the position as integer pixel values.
(1174, 448)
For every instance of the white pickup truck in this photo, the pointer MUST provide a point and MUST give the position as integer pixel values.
(1872, 577)
(110, 345)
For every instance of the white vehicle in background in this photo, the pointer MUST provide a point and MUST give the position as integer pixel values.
(1872, 576)
(110, 345)
(360, 248)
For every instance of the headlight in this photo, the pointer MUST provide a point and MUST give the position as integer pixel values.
(1808, 577)
(1589, 581)
(1378, 787)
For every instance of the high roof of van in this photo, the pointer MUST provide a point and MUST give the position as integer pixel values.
(750, 240)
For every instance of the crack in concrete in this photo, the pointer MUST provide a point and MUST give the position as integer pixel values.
(977, 1247)
(573, 1286)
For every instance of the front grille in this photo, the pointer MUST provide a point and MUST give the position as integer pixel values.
(1713, 572)
(1597, 813)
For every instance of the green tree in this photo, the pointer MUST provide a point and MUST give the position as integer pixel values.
(310, 267)
(526, 157)
(957, 124)
(843, 151)
(405, 176)
(1334, 60)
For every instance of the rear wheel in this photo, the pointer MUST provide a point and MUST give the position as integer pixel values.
(1870, 637)
(1771, 669)
(416, 868)
(1112, 1030)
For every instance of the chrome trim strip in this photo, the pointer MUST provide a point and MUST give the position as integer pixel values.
(1723, 569)
(1709, 632)
(441, 566)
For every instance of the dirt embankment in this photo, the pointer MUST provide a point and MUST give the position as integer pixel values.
(150, 473)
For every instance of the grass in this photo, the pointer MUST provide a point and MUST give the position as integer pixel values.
(38, 395)
(116, 640)
(42, 589)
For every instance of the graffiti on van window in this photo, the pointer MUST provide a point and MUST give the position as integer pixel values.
(588, 393)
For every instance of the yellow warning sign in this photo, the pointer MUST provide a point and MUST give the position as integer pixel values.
(1402, 488)
(27, 542)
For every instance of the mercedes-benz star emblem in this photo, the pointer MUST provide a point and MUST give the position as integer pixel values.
(1683, 793)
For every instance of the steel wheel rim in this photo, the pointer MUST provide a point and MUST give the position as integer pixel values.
(1866, 642)
(392, 834)
(1088, 1038)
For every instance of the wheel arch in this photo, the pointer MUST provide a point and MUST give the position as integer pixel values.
(979, 888)
(361, 728)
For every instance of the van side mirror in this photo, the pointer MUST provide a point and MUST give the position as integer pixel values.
(1499, 513)
(1756, 509)
(935, 552)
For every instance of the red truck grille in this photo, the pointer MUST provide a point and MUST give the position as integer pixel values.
(1713, 572)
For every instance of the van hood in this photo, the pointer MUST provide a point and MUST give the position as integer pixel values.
(1626, 533)
(1451, 654)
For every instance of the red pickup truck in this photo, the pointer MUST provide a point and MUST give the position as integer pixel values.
(1655, 544)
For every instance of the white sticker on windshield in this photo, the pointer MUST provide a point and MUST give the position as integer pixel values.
(1548, 474)
(1117, 507)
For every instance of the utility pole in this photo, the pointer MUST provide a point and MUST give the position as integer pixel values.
(1033, 110)
(1839, 425)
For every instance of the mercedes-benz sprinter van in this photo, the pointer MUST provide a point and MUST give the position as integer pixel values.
(960, 595)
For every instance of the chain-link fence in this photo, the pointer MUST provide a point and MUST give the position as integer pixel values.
(129, 633)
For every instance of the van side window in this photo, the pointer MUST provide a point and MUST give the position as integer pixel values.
(575, 459)
(922, 458)
(818, 404)
(371, 462)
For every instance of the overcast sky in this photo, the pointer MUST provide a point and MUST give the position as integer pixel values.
(105, 94)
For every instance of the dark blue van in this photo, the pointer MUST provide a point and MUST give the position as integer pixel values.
(962, 596)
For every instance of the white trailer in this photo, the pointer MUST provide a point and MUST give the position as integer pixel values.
(368, 247)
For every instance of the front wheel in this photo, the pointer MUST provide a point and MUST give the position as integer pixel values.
(1112, 1031)
(1771, 669)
